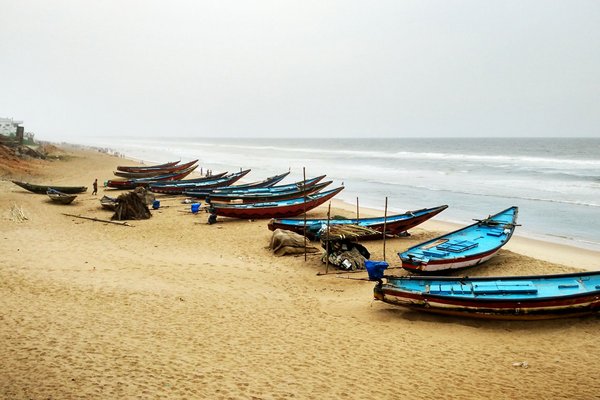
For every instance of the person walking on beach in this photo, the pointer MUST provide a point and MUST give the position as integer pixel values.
(95, 186)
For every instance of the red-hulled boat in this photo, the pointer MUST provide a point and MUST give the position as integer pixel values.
(500, 297)
(180, 187)
(140, 168)
(133, 183)
(275, 209)
(394, 224)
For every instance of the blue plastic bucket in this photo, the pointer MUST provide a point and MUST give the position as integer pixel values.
(195, 207)
(156, 204)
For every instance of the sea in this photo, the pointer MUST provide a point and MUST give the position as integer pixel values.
(555, 182)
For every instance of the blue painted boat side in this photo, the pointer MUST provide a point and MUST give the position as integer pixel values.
(482, 237)
(354, 221)
(272, 189)
(281, 203)
(515, 288)
(197, 184)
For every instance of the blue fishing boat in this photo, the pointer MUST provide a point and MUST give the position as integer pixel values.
(133, 183)
(257, 197)
(463, 248)
(253, 188)
(178, 188)
(274, 209)
(394, 224)
(512, 297)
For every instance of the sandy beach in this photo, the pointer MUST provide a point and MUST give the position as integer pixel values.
(172, 307)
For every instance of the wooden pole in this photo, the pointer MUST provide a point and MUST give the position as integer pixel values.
(327, 244)
(357, 210)
(304, 186)
(98, 219)
(384, 226)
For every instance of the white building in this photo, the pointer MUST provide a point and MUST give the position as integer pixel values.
(8, 126)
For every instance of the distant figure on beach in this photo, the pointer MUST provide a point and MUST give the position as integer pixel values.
(95, 186)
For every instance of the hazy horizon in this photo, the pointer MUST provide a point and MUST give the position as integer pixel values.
(306, 69)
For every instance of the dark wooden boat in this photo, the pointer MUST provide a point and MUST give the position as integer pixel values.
(275, 209)
(179, 188)
(108, 202)
(503, 297)
(133, 183)
(154, 171)
(202, 191)
(394, 224)
(247, 198)
(43, 189)
(252, 188)
(150, 175)
(140, 168)
(60, 197)
(463, 248)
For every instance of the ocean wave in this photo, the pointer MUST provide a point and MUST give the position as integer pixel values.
(532, 164)
(504, 196)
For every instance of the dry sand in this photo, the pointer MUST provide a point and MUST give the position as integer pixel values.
(175, 308)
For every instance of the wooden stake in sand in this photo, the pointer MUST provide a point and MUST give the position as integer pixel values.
(304, 187)
(98, 219)
(384, 226)
(357, 208)
(327, 242)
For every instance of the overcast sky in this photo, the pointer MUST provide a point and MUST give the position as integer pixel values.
(301, 68)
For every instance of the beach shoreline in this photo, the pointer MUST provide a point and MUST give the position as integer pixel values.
(173, 307)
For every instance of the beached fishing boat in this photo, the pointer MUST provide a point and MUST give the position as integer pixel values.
(394, 224)
(154, 171)
(253, 188)
(133, 183)
(463, 248)
(179, 188)
(275, 209)
(150, 175)
(202, 191)
(60, 197)
(140, 168)
(108, 202)
(246, 198)
(513, 297)
(43, 189)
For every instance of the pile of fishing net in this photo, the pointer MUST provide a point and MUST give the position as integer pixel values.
(345, 254)
(346, 231)
(131, 206)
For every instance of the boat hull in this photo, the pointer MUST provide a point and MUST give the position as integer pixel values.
(393, 224)
(574, 302)
(61, 198)
(275, 196)
(140, 168)
(266, 210)
(265, 187)
(144, 182)
(463, 248)
(178, 188)
(43, 189)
